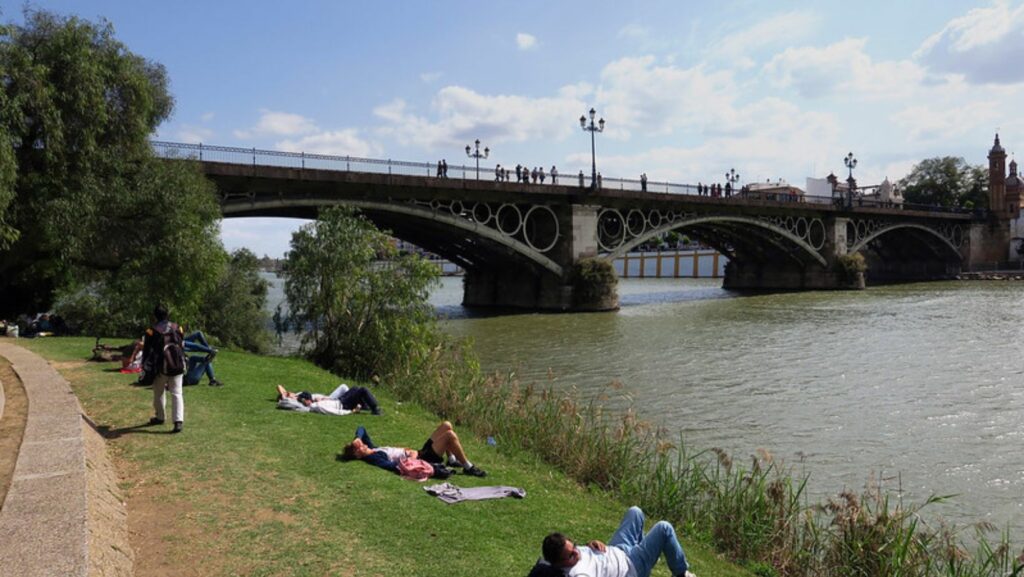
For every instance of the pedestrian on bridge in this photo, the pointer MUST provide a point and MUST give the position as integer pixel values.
(444, 168)
(533, 174)
(643, 182)
(519, 173)
(554, 174)
(497, 173)
(440, 170)
(581, 179)
(540, 173)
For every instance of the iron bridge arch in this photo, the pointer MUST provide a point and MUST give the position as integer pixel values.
(951, 238)
(470, 221)
(796, 236)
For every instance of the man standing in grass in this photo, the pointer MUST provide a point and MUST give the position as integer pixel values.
(163, 363)
(629, 553)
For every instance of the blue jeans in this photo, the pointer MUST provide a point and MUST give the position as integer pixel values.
(196, 343)
(643, 550)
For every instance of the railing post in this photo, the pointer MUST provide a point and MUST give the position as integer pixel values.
(254, 157)
(303, 160)
(389, 166)
(200, 151)
(347, 167)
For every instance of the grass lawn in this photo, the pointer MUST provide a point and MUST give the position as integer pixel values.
(251, 490)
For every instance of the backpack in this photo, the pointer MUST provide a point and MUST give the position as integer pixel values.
(171, 361)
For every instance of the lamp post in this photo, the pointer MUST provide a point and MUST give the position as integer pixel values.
(475, 153)
(592, 129)
(851, 184)
(732, 177)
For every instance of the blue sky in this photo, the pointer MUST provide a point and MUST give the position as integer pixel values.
(688, 89)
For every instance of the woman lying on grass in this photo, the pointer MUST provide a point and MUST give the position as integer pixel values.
(342, 401)
(442, 442)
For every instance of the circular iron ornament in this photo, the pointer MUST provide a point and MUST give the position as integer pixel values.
(816, 234)
(532, 224)
(610, 227)
(434, 205)
(800, 228)
(862, 230)
(503, 216)
(456, 208)
(635, 220)
(957, 236)
(791, 224)
(482, 212)
(655, 218)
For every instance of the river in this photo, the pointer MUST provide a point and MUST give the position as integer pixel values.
(922, 385)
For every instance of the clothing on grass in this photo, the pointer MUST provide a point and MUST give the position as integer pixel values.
(454, 494)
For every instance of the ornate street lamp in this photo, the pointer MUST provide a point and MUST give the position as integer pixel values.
(477, 155)
(732, 177)
(592, 129)
(851, 184)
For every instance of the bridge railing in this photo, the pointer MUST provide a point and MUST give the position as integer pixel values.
(278, 158)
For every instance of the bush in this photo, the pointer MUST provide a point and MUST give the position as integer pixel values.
(594, 283)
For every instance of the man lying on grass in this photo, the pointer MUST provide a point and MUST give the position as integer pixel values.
(629, 553)
(342, 401)
(442, 442)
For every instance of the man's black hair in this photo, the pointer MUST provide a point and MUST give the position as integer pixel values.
(553, 547)
(160, 312)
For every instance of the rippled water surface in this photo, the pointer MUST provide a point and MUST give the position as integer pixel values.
(922, 384)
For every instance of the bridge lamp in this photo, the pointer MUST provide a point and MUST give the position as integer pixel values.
(592, 129)
(850, 163)
(470, 152)
(732, 177)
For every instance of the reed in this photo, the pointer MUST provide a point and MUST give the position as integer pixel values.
(756, 514)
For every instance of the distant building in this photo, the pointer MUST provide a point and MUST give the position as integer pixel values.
(884, 194)
(1005, 197)
(780, 190)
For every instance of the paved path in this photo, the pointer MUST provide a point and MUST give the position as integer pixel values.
(43, 522)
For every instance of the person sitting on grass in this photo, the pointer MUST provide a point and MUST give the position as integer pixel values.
(342, 401)
(443, 441)
(628, 553)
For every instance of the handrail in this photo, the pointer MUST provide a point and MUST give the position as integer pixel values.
(260, 157)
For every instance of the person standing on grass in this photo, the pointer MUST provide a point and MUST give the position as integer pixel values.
(629, 553)
(163, 363)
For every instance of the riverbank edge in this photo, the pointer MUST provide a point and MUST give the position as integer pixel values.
(994, 275)
(701, 554)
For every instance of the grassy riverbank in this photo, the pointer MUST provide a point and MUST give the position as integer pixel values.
(250, 490)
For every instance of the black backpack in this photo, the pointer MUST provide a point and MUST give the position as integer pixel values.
(172, 354)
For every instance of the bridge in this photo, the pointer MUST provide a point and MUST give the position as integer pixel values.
(520, 243)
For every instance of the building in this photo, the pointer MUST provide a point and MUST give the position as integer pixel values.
(1004, 198)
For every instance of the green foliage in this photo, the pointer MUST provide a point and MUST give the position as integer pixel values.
(946, 181)
(77, 108)
(594, 280)
(851, 266)
(362, 306)
(234, 310)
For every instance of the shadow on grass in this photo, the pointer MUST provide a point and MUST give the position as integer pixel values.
(109, 432)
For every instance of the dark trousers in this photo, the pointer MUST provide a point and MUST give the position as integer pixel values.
(359, 396)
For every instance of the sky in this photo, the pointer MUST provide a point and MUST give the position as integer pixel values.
(688, 90)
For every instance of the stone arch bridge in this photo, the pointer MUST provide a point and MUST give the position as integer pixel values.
(519, 242)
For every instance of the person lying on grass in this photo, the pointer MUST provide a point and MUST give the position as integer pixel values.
(628, 553)
(342, 401)
(442, 442)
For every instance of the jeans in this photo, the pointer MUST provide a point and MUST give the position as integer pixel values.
(365, 436)
(355, 396)
(643, 550)
(197, 343)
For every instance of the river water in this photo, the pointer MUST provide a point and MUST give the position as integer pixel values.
(921, 385)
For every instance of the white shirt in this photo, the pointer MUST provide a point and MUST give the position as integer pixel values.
(611, 563)
(395, 454)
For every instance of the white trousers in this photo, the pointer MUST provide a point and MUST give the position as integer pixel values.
(164, 383)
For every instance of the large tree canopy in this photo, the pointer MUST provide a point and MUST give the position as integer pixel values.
(946, 181)
(86, 211)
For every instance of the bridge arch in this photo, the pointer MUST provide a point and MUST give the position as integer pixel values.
(936, 241)
(406, 213)
(779, 237)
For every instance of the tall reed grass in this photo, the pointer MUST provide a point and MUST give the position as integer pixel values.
(756, 513)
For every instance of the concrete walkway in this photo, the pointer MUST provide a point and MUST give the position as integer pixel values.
(44, 519)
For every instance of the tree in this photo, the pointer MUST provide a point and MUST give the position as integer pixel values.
(234, 311)
(77, 107)
(362, 306)
(946, 181)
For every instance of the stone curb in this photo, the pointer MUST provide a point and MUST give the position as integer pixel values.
(44, 520)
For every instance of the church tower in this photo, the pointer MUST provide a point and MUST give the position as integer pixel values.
(997, 180)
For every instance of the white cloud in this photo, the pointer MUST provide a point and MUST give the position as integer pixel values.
(273, 123)
(842, 67)
(463, 115)
(194, 134)
(933, 123)
(637, 94)
(207, 117)
(986, 45)
(338, 142)
(736, 48)
(430, 77)
(525, 41)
